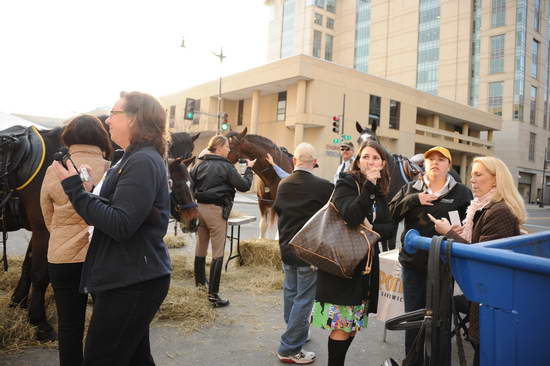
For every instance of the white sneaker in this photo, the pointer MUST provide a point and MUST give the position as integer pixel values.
(302, 358)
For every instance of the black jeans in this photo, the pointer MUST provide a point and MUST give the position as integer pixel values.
(414, 296)
(71, 311)
(119, 328)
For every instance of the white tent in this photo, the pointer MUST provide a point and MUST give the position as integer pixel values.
(9, 120)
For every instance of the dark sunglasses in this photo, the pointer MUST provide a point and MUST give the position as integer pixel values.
(344, 148)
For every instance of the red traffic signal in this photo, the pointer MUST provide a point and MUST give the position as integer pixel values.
(336, 124)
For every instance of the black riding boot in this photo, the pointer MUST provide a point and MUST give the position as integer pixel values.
(200, 274)
(214, 285)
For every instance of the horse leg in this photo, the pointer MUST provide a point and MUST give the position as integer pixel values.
(40, 281)
(263, 224)
(20, 295)
(272, 224)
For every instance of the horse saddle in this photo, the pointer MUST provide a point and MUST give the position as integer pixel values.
(22, 154)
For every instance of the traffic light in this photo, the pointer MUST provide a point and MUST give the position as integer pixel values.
(336, 124)
(225, 123)
(189, 109)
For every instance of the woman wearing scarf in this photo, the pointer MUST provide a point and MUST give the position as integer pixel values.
(496, 212)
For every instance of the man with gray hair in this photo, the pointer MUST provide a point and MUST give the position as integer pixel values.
(299, 197)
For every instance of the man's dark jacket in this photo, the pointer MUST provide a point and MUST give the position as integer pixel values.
(406, 205)
(130, 220)
(299, 196)
(215, 180)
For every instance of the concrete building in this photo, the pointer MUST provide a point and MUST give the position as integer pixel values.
(489, 54)
(294, 99)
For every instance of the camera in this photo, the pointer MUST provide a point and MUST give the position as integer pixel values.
(63, 155)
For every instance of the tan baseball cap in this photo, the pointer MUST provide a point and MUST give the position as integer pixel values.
(440, 149)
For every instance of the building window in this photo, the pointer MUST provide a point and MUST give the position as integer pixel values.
(329, 41)
(519, 72)
(318, 19)
(362, 35)
(317, 43)
(287, 34)
(534, 58)
(240, 112)
(331, 6)
(532, 140)
(498, 13)
(497, 54)
(320, 4)
(536, 16)
(172, 118)
(281, 106)
(473, 99)
(330, 23)
(533, 113)
(395, 114)
(495, 97)
(374, 110)
(428, 46)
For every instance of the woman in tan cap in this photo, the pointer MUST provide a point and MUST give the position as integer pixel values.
(439, 195)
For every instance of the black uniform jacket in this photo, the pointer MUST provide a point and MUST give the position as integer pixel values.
(215, 180)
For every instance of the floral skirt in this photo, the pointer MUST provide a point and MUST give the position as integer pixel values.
(341, 317)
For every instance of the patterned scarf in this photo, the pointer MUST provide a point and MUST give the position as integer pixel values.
(476, 204)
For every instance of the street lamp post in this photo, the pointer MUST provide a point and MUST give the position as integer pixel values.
(221, 56)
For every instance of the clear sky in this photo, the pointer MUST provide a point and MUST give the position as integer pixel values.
(62, 57)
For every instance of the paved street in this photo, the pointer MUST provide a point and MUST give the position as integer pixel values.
(247, 332)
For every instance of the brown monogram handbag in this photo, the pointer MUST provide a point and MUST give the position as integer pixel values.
(329, 244)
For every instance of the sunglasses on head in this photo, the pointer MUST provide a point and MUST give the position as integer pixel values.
(344, 148)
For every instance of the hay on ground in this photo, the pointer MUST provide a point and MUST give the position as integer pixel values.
(182, 268)
(175, 241)
(261, 252)
(186, 308)
(9, 279)
(16, 333)
(255, 279)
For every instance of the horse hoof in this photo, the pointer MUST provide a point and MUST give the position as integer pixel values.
(46, 335)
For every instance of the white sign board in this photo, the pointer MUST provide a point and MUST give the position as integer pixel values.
(390, 296)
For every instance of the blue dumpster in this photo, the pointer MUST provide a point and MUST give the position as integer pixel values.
(510, 278)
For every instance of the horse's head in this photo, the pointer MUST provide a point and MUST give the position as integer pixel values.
(182, 145)
(235, 145)
(184, 207)
(366, 134)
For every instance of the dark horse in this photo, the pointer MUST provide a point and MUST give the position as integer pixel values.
(401, 169)
(256, 147)
(21, 148)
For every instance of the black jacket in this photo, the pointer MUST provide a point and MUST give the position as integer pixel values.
(354, 207)
(406, 205)
(299, 196)
(215, 180)
(130, 219)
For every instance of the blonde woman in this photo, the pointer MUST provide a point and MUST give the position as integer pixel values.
(215, 180)
(497, 211)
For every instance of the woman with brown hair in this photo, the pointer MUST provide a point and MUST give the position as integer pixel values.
(127, 267)
(89, 145)
(215, 180)
(341, 305)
